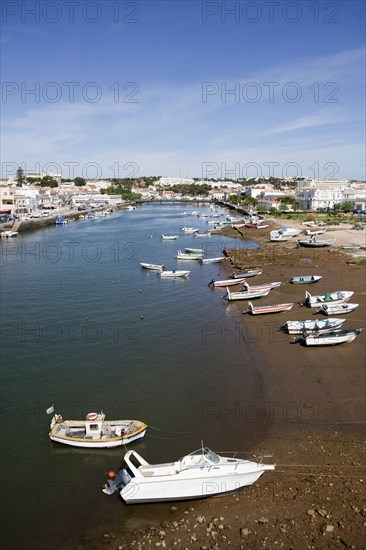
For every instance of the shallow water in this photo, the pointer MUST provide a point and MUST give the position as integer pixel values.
(85, 328)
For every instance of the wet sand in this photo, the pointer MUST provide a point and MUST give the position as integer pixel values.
(314, 408)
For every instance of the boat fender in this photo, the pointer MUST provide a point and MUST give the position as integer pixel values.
(91, 417)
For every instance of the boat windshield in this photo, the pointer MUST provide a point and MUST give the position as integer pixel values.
(203, 454)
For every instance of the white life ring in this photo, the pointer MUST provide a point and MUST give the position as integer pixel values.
(91, 417)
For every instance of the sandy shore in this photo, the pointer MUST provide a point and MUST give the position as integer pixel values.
(314, 405)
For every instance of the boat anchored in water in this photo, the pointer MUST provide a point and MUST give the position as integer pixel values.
(153, 267)
(95, 431)
(173, 274)
(200, 474)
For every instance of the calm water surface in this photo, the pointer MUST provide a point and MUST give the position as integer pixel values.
(85, 328)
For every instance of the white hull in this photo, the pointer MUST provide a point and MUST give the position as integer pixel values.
(243, 295)
(153, 267)
(187, 488)
(226, 282)
(316, 325)
(95, 432)
(198, 475)
(98, 444)
(212, 260)
(173, 274)
(261, 310)
(336, 298)
(169, 237)
(330, 340)
(337, 310)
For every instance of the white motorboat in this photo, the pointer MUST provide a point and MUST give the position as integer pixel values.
(313, 325)
(315, 232)
(153, 267)
(95, 432)
(339, 309)
(173, 274)
(329, 298)
(169, 237)
(200, 474)
(246, 295)
(188, 255)
(342, 336)
(194, 251)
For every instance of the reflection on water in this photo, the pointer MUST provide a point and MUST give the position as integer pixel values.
(85, 328)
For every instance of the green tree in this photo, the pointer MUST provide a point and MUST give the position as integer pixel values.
(47, 181)
(20, 176)
(347, 206)
(79, 182)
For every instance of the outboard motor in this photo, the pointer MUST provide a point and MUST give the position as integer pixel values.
(118, 481)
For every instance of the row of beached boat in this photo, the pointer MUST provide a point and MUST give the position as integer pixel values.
(312, 333)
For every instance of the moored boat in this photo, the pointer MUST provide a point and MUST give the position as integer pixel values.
(225, 282)
(202, 234)
(263, 286)
(189, 229)
(154, 267)
(246, 294)
(341, 336)
(194, 251)
(246, 273)
(331, 298)
(95, 431)
(339, 309)
(260, 310)
(312, 325)
(8, 234)
(200, 474)
(312, 242)
(188, 255)
(212, 260)
(173, 274)
(305, 279)
(169, 237)
(61, 221)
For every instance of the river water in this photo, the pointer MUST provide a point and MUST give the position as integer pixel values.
(86, 329)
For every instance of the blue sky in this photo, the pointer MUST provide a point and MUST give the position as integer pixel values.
(217, 89)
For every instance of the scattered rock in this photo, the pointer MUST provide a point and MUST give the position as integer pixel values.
(244, 532)
(174, 509)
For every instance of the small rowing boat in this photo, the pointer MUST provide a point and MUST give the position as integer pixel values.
(312, 325)
(188, 255)
(260, 310)
(312, 242)
(331, 298)
(153, 267)
(225, 282)
(173, 274)
(264, 286)
(342, 336)
(246, 295)
(246, 273)
(189, 229)
(212, 260)
(194, 251)
(305, 279)
(169, 237)
(340, 309)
